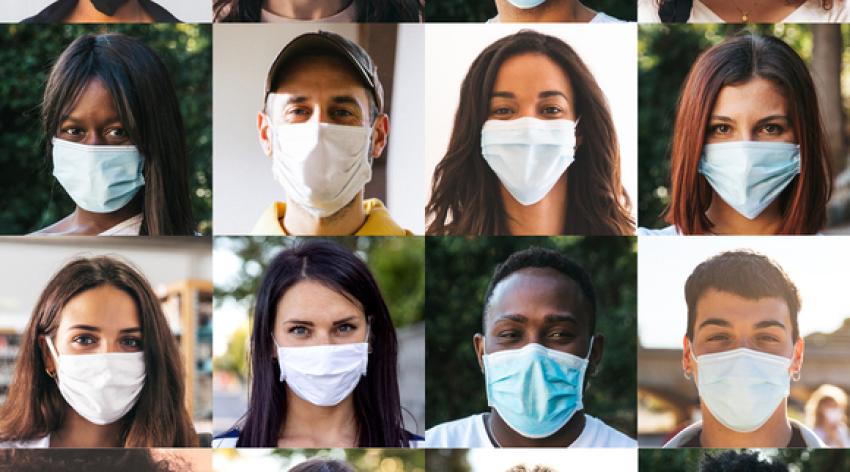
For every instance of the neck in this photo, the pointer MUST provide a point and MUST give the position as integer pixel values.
(728, 221)
(309, 425)
(84, 222)
(130, 12)
(546, 217)
(507, 437)
(347, 221)
(77, 431)
(305, 9)
(552, 11)
(776, 432)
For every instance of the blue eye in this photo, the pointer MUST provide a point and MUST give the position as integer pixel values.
(84, 339)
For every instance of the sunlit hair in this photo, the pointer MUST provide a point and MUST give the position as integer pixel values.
(368, 11)
(824, 393)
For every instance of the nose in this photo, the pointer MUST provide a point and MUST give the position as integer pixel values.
(93, 139)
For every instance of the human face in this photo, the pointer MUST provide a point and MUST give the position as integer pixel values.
(99, 321)
(531, 85)
(94, 119)
(311, 314)
(537, 305)
(726, 321)
(753, 111)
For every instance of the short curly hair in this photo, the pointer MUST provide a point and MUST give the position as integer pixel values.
(733, 461)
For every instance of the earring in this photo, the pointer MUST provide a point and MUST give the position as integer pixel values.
(52, 375)
(795, 376)
(687, 374)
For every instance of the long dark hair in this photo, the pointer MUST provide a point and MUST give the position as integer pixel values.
(678, 11)
(35, 407)
(147, 105)
(736, 61)
(376, 398)
(368, 11)
(462, 198)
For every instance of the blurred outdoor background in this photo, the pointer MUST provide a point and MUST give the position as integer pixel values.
(30, 197)
(239, 262)
(667, 401)
(797, 460)
(458, 271)
(363, 460)
(525, 460)
(665, 56)
(482, 10)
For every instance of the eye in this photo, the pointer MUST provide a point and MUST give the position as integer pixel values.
(342, 113)
(117, 133)
(509, 334)
(73, 131)
(773, 129)
(720, 129)
(718, 337)
(346, 328)
(768, 338)
(551, 110)
(561, 335)
(298, 330)
(501, 111)
(132, 342)
(84, 339)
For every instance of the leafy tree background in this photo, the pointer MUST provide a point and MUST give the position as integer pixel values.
(665, 55)
(30, 198)
(482, 10)
(458, 270)
(798, 460)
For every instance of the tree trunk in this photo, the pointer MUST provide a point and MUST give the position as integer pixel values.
(826, 70)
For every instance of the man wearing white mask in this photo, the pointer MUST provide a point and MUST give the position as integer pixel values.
(742, 349)
(322, 126)
(548, 11)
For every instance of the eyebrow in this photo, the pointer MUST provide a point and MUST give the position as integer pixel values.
(761, 120)
(715, 322)
(69, 117)
(543, 94)
(725, 324)
(769, 324)
(515, 317)
(97, 330)
(310, 323)
(560, 318)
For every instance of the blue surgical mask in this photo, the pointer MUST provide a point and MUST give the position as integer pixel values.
(535, 390)
(749, 175)
(526, 4)
(100, 179)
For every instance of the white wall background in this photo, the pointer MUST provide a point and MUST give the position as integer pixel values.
(187, 11)
(243, 186)
(609, 50)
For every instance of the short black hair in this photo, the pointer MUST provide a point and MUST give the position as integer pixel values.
(732, 461)
(538, 257)
(744, 273)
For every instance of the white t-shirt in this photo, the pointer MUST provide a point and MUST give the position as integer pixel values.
(129, 227)
(471, 432)
(599, 18)
(809, 12)
(39, 443)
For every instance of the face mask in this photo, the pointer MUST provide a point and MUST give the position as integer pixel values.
(534, 389)
(749, 175)
(102, 388)
(742, 388)
(528, 155)
(833, 415)
(323, 375)
(108, 7)
(526, 4)
(100, 179)
(321, 166)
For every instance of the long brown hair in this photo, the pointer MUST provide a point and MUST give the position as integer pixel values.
(462, 197)
(35, 408)
(736, 61)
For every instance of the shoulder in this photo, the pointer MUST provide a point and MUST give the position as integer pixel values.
(269, 222)
(465, 432)
(227, 439)
(378, 221)
(685, 435)
(598, 434)
(668, 231)
(647, 11)
(809, 436)
(604, 18)
(159, 14)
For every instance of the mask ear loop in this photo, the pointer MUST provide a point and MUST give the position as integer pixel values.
(53, 354)
(687, 374)
(369, 333)
(589, 352)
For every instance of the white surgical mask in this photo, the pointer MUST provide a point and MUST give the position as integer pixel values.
(833, 415)
(101, 388)
(749, 175)
(742, 387)
(526, 4)
(321, 166)
(323, 375)
(100, 179)
(528, 155)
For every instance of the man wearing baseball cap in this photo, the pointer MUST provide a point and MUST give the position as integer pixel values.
(323, 124)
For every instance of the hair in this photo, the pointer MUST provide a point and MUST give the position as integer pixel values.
(678, 11)
(536, 468)
(148, 107)
(538, 257)
(368, 11)
(464, 186)
(743, 273)
(376, 397)
(322, 465)
(732, 461)
(35, 408)
(738, 60)
(824, 393)
(74, 460)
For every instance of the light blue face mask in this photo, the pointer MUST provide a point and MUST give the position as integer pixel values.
(749, 175)
(536, 390)
(100, 179)
(526, 4)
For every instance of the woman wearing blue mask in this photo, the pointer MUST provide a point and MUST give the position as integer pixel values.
(748, 154)
(538, 348)
(323, 357)
(115, 139)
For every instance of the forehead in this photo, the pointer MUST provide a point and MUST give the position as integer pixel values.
(532, 72)
(94, 101)
(309, 300)
(740, 312)
(756, 98)
(314, 75)
(105, 307)
(536, 291)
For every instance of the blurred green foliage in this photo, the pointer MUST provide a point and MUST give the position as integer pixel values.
(665, 56)
(457, 273)
(30, 198)
(363, 460)
(799, 460)
(478, 11)
(448, 460)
